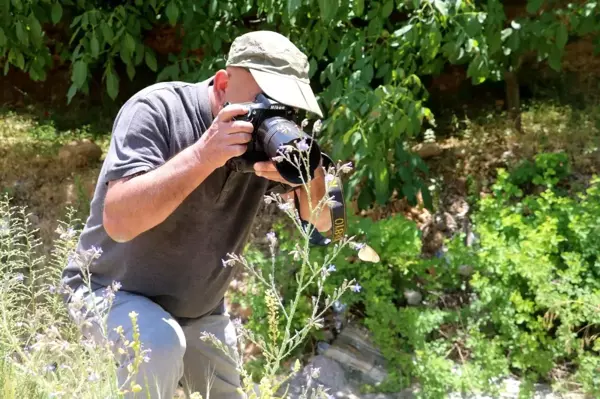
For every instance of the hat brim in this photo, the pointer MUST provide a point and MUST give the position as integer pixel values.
(287, 90)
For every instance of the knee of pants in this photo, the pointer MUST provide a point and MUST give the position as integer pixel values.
(166, 342)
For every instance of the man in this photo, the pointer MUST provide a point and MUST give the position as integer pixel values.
(167, 210)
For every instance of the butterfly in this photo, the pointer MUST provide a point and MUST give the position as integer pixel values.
(368, 254)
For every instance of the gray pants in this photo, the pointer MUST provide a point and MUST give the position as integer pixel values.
(178, 355)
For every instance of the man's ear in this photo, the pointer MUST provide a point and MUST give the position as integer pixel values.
(220, 84)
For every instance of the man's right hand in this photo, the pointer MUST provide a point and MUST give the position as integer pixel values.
(225, 138)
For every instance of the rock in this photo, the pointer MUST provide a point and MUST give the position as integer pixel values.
(465, 270)
(330, 374)
(80, 153)
(446, 222)
(413, 297)
(354, 349)
(428, 150)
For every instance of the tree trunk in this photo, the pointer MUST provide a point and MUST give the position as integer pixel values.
(513, 99)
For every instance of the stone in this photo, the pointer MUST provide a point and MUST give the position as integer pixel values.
(428, 150)
(354, 349)
(80, 153)
(413, 297)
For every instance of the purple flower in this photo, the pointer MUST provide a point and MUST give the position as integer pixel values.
(303, 145)
(272, 238)
(346, 168)
(356, 287)
(331, 268)
(286, 206)
(19, 277)
(329, 178)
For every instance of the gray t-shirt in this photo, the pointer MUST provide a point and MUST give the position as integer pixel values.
(178, 263)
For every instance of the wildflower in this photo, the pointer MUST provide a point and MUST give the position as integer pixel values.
(52, 289)
(272, 238)
(302, 145)
(286, 206)
(108, 294)
(346, 168)
(95, 251)
(314, 373)
(356, 287)
(318, 125)
(329, 178)
(19, 277)
(278, 158)
(268, 199)
(331, 269)
(357, 246)
(146, 359)
(67, 235)
(228, 262)
(50, 367)
(285, 149)
(116, 286)
(304, 123)
(93, 377)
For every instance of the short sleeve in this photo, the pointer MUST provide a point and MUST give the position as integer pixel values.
(139, 141)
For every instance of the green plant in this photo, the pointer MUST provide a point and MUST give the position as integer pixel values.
(366, 58)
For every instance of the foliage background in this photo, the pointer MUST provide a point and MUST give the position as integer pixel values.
(374, 66)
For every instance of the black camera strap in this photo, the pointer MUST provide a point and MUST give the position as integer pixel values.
(338, 209)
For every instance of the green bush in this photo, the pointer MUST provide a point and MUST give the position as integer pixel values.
(523, 300)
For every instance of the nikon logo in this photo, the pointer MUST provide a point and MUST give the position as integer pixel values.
(281, 107)
(338, 228)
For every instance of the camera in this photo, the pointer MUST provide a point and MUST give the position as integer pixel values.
(275, 127)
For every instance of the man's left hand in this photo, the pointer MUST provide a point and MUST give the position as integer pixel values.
(269, 171)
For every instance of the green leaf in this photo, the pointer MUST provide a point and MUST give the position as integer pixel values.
(2, 38)
(554, 59)
(21, 35)
(382, 182)
(56, 13)
(130, 71)
(441, 7)
(365, 198)
(358, 6)
(172, 12)
(35, 30)
(107, 32)
(212, 8)
(112, 84)
(534, 5)
(387, 8)
(139, 53)
(562, 36)
(328, 9)
(71, 93)
(129, 43)
(79, 73)
(95, 46)
(151, 60)
(403, 31)
(292, 6)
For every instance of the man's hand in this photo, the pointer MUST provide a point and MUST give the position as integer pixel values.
(317, 190)
(269, 171)
(225, 138)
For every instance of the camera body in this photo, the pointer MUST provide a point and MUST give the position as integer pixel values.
(274, 127)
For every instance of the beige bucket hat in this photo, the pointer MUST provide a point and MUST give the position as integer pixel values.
(278, 66)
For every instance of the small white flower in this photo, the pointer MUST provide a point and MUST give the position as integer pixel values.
(329, 178)
(96, 251)
(228, 262)
(278, 158)
(318, 125)
(331, 268)
(116, 286)
(304, 123)
(19, 277)
(346, 168)
(272, 238)
(268, 199)
(286, 206)
(303, 145)
(356, 288)
(146, 359)
(93, 377)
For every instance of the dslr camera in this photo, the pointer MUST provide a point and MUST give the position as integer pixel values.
(275, 126)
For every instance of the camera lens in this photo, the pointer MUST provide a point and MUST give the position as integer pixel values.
(276, 132)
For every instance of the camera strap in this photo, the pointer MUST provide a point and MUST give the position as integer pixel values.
(335, 189)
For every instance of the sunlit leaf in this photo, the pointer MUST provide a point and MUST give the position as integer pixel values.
(56, 12)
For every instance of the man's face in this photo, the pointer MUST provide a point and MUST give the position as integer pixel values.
(241, 86)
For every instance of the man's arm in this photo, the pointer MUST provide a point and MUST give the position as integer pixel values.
(135, 205)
